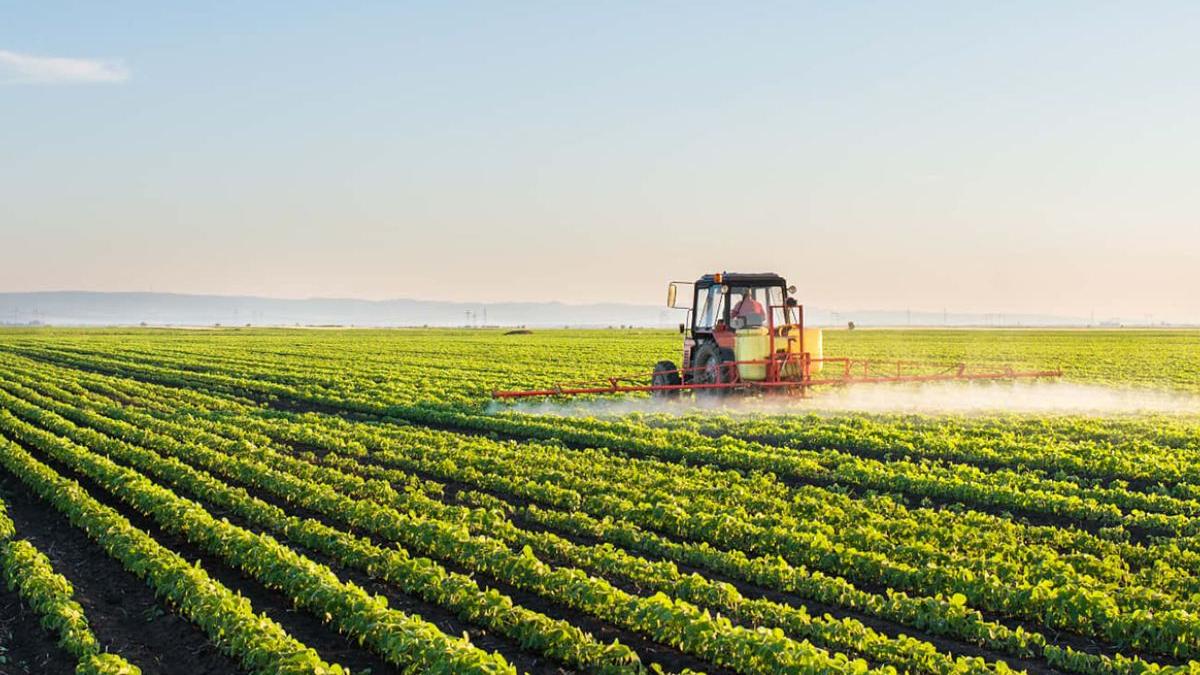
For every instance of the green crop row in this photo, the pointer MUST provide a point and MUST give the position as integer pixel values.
(698, 590)
(1080, 531)
(258, 643)
(419, 576)
(28, 571)
(660, 617)
(407, 641)
(463, 455)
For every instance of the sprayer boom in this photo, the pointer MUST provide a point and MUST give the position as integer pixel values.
(848, 372)
(746, 333)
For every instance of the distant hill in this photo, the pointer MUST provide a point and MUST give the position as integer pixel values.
(90, 309)
(83, 308)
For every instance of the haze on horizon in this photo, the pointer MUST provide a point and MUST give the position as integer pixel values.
(987, 157)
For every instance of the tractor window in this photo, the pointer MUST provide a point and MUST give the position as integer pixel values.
(774, 296)
(712, 308)
(748, 308)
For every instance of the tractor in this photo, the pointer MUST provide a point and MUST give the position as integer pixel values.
(745, 333)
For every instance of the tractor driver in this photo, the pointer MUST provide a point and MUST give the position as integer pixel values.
(749, 309)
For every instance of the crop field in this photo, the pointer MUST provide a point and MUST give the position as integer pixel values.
(291, 501)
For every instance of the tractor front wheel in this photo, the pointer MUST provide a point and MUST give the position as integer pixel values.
(665, 373)
(712, 369)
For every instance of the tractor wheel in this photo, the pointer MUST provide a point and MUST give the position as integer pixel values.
(665, 373)
(712, 370)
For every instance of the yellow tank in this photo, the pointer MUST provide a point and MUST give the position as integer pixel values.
(812, 345)
(752, 344)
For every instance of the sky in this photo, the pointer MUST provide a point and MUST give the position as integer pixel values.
(985, 157)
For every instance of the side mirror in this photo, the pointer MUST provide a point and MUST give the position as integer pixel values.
(673, 295)
(791, 290)
(682, 329)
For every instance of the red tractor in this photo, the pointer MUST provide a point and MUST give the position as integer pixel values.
(733, 323)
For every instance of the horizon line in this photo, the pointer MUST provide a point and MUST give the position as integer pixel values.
(1079, 318)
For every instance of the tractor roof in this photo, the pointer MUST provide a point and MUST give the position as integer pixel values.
(742, 279)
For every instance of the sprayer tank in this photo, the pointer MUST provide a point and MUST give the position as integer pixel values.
(752, 344)
(811, 343)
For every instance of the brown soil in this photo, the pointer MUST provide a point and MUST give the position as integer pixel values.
(122, 611)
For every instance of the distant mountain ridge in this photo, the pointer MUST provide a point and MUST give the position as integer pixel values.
(89, 308)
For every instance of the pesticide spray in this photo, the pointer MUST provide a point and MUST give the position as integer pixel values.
(944, 398)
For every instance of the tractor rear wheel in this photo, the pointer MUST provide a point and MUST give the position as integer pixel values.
(665, 373)
(711, 370)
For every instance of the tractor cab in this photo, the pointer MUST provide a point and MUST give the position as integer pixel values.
(722, 303)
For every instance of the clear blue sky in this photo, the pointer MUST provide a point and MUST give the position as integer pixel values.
(999, 157)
